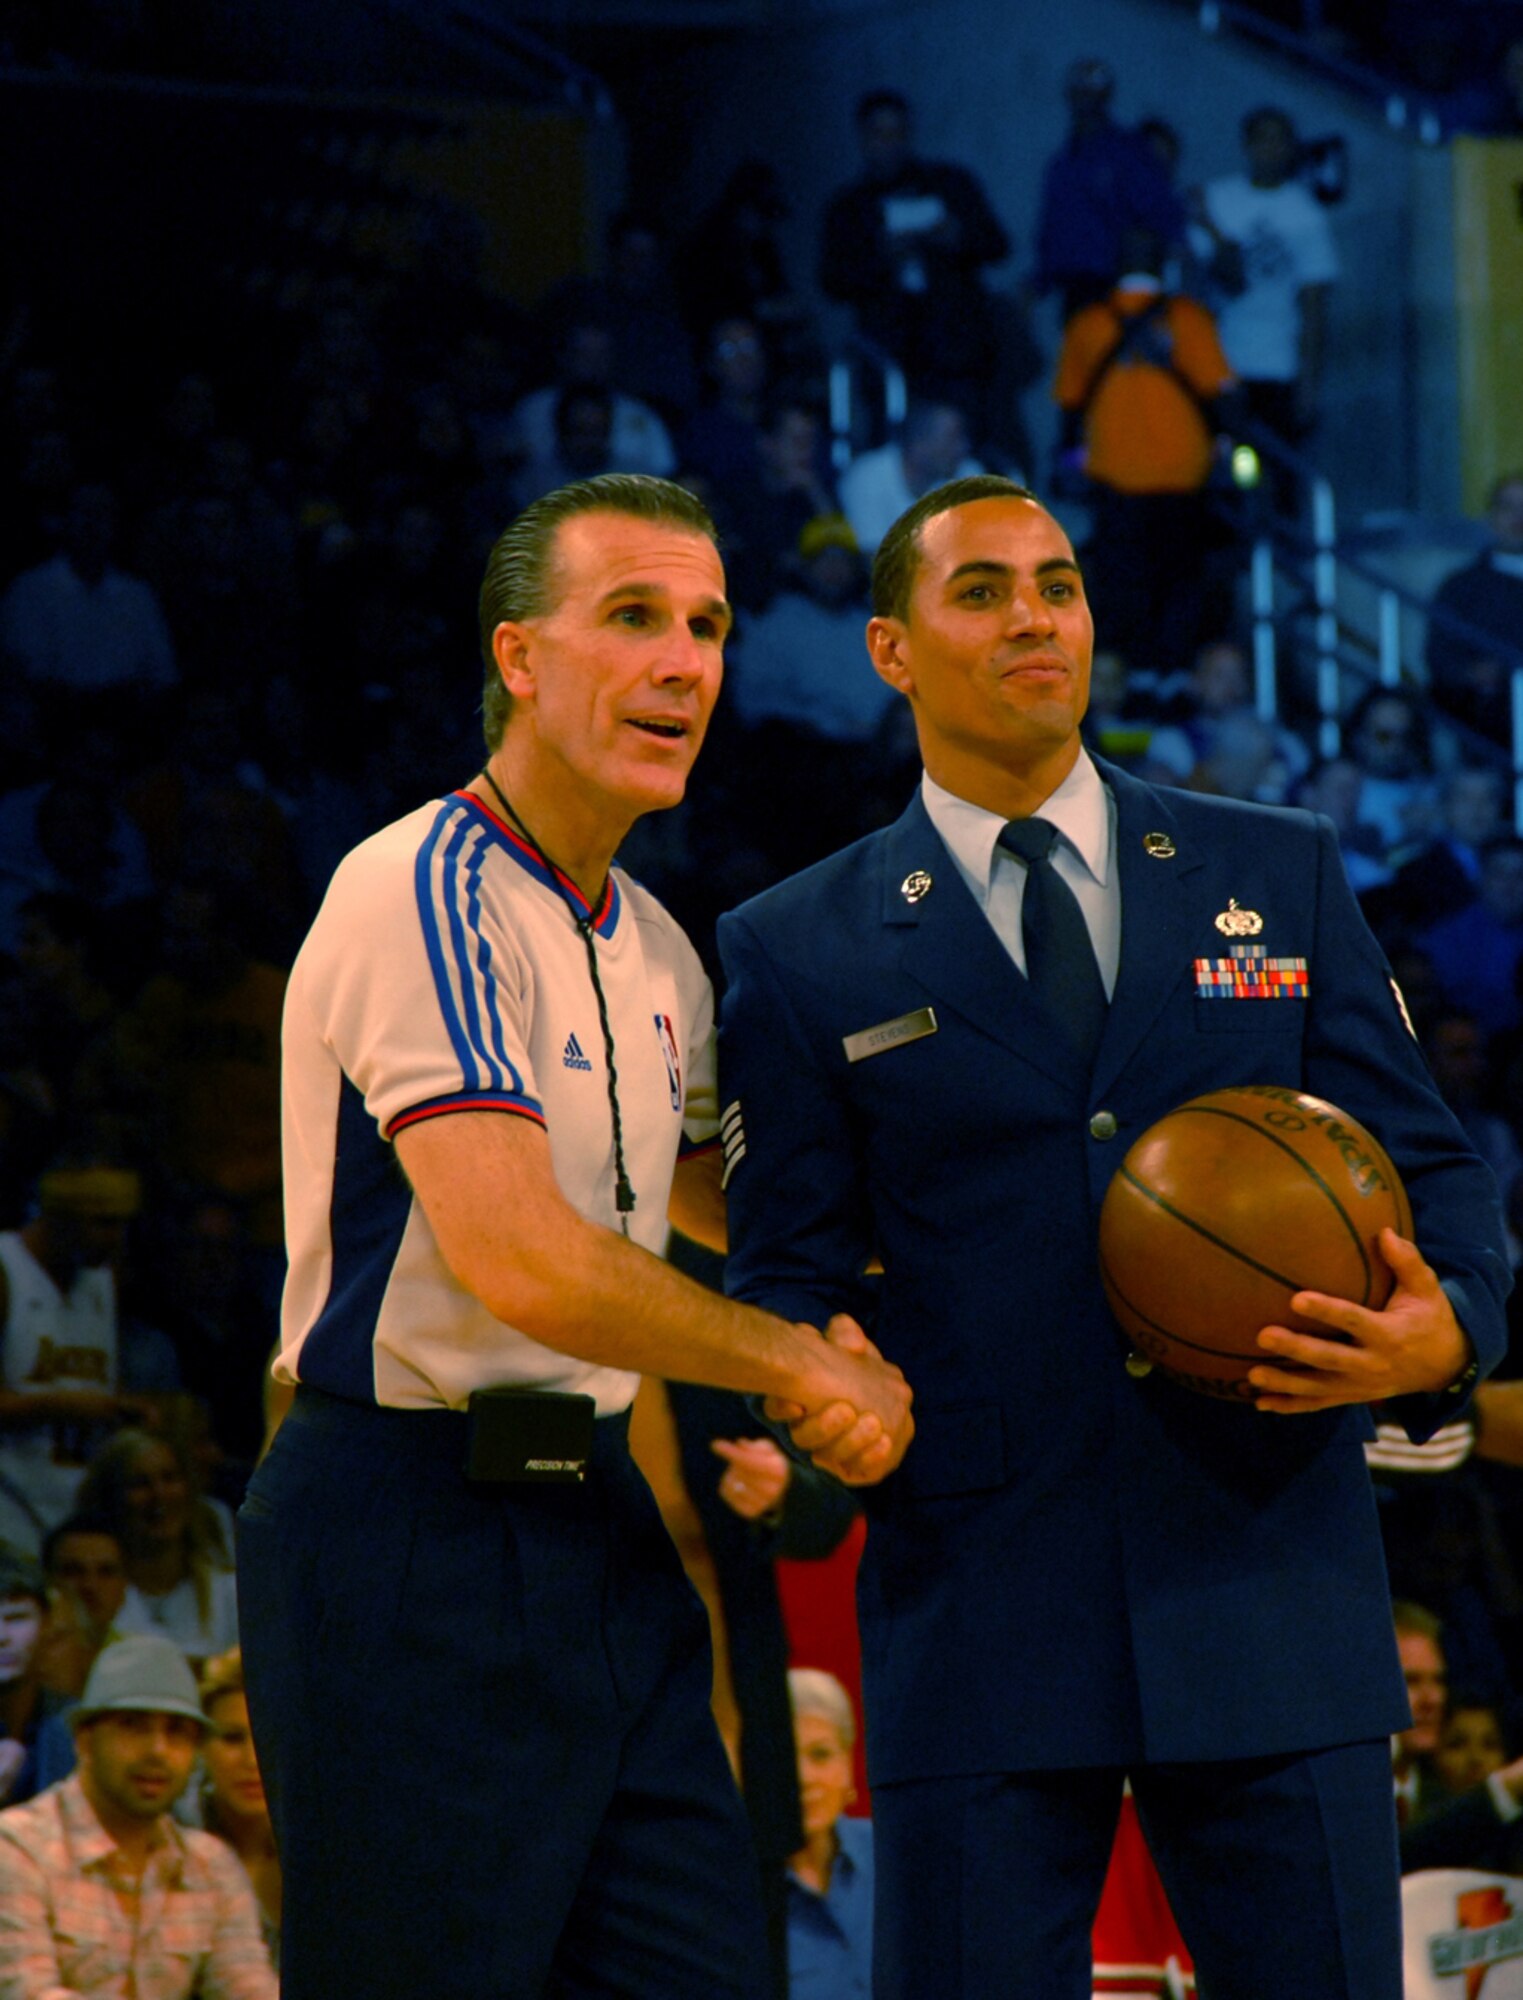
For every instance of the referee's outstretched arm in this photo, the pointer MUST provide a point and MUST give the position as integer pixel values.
(510, 1237)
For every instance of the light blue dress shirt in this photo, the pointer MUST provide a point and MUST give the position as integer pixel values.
(1084, 813)
(830, 1937)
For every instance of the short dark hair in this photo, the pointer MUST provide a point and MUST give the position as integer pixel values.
(883, 99)
(898, 554)
(519, 580)
(77, 1524)
(1415, 1619)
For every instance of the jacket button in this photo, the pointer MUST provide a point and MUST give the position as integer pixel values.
(1103, 1125)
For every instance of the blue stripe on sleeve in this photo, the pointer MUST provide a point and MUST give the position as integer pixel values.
(428, 914)
(484, 960)
(452, 898)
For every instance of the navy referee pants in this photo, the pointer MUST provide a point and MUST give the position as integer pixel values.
(482, 1715)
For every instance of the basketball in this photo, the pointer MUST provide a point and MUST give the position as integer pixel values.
(1226, 1208)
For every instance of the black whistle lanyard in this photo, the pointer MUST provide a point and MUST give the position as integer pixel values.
(623, 1193)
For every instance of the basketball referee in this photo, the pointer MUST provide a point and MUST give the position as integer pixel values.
(478, 1677)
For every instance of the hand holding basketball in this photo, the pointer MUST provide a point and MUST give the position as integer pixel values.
(1413, 1343)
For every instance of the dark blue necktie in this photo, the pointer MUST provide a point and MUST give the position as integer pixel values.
(1060, 957)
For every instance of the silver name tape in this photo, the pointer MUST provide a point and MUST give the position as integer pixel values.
(889, 1034)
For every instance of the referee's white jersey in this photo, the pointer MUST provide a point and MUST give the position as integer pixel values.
(445, 975)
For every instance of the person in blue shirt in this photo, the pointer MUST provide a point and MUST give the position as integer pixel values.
(830, 1879)
(1102, 179)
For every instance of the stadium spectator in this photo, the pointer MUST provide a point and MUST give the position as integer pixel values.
(1140, 380)
(205, 805)
(801, 660)
(199, 1274)
(101, 1892)
(1274, 328)
(731, 265)
(583, 420)
(877, 487)
(1123, 715)
(1102, 180)
(635, 302)
(1333, 787)
(654, 358)
(1455, 1046)
(1480, 1826)
(1387, 736)
(228, 596)
(812, 707)
(77, 624)
(62, 836)
(87, 1582)
(1245, 761)
(763, 515)
(1217, 696)
(59, 1363)
(1445, 876)
(194, 1056)
(180, 1583)
(233, 1804)
(1473, 1743)
(585, 359)
(830, 1881)
(83, 1555)
(719, 438)
(23, 1704)
(67, 950)
(1477, 951)
(905, 245)
(1418, 1640)
(1469, 678)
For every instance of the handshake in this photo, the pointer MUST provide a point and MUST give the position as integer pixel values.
(853, 1415)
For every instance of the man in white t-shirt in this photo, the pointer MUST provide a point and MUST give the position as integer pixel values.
(877, 487)
(58, 1342)
(638, 441)
(79, 625)
(1273, 330)
(454, 1584)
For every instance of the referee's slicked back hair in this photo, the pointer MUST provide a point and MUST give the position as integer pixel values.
(520, 574)
(898, 554)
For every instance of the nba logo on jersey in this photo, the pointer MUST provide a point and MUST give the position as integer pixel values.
(673, 1061)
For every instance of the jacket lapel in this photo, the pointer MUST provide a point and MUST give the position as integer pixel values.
(1160, 918)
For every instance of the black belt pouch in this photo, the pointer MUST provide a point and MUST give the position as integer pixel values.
(518, 1437)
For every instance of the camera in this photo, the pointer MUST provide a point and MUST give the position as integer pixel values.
(1323, 165)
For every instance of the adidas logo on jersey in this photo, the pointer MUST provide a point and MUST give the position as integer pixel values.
(572, 1056)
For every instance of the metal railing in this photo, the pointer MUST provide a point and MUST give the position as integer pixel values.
(485, 34)
(862, 358)
(1315, 565)
(1406, 109)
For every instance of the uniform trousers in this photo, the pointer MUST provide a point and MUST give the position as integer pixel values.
(1282, 1873)
(482, 1715)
